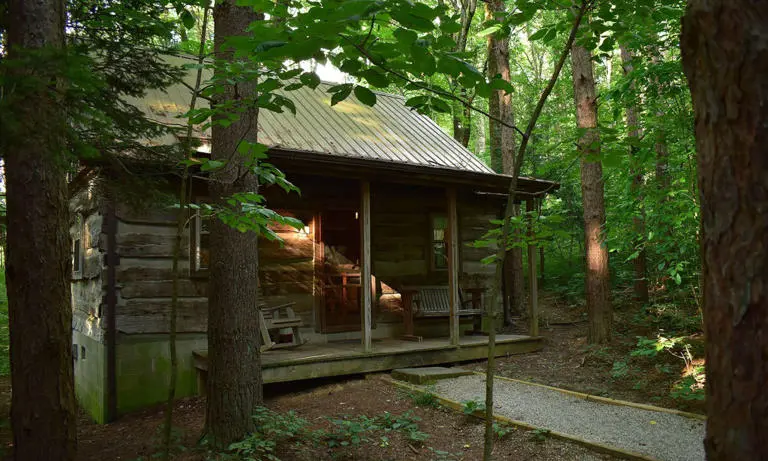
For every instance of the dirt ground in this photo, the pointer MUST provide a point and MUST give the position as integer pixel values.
(452, 436)
(568, 362)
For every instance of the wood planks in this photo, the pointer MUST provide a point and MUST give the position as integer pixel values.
(365, 264)
(453, 266)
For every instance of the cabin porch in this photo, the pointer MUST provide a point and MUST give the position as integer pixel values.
(338, 358)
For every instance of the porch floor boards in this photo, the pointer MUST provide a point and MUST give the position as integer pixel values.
(346, 357)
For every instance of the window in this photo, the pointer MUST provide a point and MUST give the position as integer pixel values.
(77, 232)
(76, 256)
(200, 247)
(438, 247)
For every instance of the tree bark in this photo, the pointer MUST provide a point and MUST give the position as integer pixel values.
(39, 265)
(462, 115)
(636, 173)
(597, 274)
(502, 144)
(234, 361)
(660, 146)
(725, 58)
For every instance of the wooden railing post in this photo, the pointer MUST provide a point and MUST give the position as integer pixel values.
(533, 305)
(365, 265)
(453, 266)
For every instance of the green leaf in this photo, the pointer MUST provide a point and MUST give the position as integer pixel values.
(501, 84)
(417, 101)
(539, 34)
(187, 19)
(440, 106)
(340, 93)
(490, 30)
(376, 78)
(310, 79)
(209, 165)
(365, 95)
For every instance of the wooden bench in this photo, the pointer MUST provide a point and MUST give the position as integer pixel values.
(434, 301)
(277, 318)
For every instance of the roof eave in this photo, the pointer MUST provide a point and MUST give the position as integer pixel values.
(298, 161)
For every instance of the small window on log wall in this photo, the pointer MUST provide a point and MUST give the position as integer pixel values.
(200, 247)
(77, 246)
(439, 249)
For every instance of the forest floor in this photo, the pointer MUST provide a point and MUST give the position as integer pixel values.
(620, 370)
(357, 414)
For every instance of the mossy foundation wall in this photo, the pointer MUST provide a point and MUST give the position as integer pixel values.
(144, 369)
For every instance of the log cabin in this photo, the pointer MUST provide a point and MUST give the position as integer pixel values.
(390, 204)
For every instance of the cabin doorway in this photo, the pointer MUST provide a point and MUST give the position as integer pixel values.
(339, 271)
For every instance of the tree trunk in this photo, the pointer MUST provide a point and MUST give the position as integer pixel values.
(39, 265)
(660, 146)
(462, 115)
(636, 173)
(725, 57)
(234, 361)
(502, 139)
(502, 143)
(597, 276)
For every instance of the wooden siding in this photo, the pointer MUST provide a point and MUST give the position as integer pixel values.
(87, 284)
(400, 252)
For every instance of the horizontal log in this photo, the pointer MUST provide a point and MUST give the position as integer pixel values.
(153, 316)
(146, 215)
(141, 245)
(164, 288)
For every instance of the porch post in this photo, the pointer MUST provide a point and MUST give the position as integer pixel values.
(365, 264)
(533, 307)
(453, 266)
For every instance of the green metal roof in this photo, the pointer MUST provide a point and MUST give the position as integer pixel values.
(389, 131)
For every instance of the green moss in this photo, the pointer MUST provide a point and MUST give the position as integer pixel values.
(144, 370)
(90, 376)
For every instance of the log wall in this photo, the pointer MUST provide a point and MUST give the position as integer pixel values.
(400, 253)
(88, 282)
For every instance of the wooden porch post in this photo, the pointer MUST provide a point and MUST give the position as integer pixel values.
(453, 266)
(365, 264)
(533, 306)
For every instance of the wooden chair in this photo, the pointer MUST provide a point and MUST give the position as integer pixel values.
(277, 318)
(434, 301)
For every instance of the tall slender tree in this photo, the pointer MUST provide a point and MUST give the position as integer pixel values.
(503, 146)
(639, 263)
(33, 146)
(725, 57)
(592, 189)
(462, 115)
(234, 370)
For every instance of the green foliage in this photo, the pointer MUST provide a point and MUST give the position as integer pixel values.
(470, 407)
(620, 369)
(502, 429)
(273, 430)
(691, 387)
(540, 435)
(424, 399)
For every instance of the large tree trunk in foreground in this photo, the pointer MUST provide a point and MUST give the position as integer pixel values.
(636, 173)
(725, 57)
(234, 361)
(503, 147)
(38, 261)
(597, 276)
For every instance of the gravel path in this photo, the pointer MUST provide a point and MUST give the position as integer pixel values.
(663, 436)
